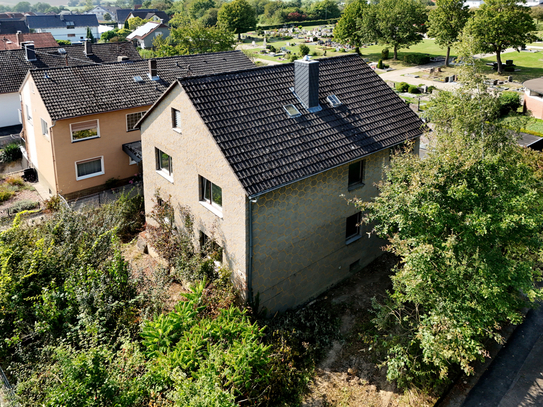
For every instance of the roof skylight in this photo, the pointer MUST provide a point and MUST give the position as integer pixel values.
(292, 111)
(333, 100)
(61, 51)
(138, 79)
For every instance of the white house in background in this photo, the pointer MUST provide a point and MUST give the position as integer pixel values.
(101, 11)
(71, 27)
(144, 35)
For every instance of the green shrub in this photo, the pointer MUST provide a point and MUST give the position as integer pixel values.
(52, 204)
(509, 101)
(402, 87)
(315, 54)
(11, 152)
(5, 194)
(380, 64)
(24, 205)
(413, 89)
(416, 59)
(63, 42)
(385, 54)
(15, 181)
(342, 50)
(272, 48)
(431, 89)
(304, 50)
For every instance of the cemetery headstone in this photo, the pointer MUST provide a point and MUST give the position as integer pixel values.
(510, 79)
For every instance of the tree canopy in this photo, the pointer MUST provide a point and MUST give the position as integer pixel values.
(466, 224)
(237, 16)
(501, 24)
(446, 22)
(347, 27)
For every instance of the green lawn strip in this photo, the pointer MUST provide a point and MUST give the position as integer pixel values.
(532, 126)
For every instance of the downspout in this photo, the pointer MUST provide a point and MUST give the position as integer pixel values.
(250, 268)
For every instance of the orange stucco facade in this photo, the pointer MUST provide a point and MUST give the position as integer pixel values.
(55, 155)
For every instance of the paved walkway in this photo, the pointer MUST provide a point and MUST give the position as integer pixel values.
(515, 377)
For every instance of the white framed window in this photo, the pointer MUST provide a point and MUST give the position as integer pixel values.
(211, 195)
(164, 164)
(92, 167)
(44, 128)
(84, 130)
(28, 113)
(132, 119)
(176, 120)
(352, 227)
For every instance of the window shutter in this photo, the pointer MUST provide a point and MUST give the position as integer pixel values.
(90, 124)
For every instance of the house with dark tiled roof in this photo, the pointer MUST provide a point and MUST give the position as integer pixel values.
(71, 27)
(149, 14)
(101, 11)
(144, 35)
(266, 160)
(79, 121)
(14, 64)
(12, 26)
(15, 41)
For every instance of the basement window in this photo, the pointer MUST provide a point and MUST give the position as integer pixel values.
(292, 111)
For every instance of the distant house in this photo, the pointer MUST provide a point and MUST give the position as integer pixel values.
(101, 11)
(144, 36)
(79, 121)
(71, 27)
(12, 26)
(533, 97)
(266, 159)
(14, 64)
(15, 41)
(147, 14)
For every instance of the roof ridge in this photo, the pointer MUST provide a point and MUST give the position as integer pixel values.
(265, 67)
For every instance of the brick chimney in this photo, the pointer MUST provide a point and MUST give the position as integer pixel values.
(306, 82)
(87, 44)
(30, 54)
(19, 36)
(153, 73)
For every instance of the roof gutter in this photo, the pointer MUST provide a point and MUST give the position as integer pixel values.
(259, 194)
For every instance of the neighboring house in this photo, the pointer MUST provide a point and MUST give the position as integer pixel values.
(79, 121)
(14, 64)
(147, 14)
(71, 27)
(144, 36)
(11, 26)
(120, 16)
(101, 11)
(533, 97)
(15, 41)
(266, 159)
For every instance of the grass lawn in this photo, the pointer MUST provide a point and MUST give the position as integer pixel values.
(529, 63)
(532, 124)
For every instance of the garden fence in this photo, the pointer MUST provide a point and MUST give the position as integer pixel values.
(7, 395)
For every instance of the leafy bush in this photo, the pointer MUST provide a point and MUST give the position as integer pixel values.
(509, 101)
(52, 204)
(24, 205)
(416, 59)
(304, 50)
(431, 89)
(15, 181)
(293, 57)
(5, 194)
(11, 152)
(63, 42)
(380, 64)
(272, 48)
(342, 50)
(315, 54)
(402, 87)
(385, 54)
(413, 89)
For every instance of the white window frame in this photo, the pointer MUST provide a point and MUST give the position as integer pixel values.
(358, 235)
(168, 174)
(130, 114)
(175, 125)
(208, 203)
(96, 174)
(28, 114)
(86, 138)
(44, 128)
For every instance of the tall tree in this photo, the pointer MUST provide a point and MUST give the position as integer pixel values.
(325, 9)
(238, 16)
(347, 28)
(446, 22)
(396, 23)
(501, 24)
(466, 223)
(537, 13)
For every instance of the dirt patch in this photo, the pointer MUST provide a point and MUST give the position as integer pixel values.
(349, 374)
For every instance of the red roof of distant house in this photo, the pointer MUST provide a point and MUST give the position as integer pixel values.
(41, 40)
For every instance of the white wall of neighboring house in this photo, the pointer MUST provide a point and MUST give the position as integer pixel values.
(76, 34)
(29, 124)
(9, 106)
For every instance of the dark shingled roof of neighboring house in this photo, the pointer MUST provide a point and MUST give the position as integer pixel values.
(267, 149)
(146, 14)
(56, 21)
(14, 66)
(10, 26)
(83, 90)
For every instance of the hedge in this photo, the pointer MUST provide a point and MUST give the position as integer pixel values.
(416, 59)
(298, 23)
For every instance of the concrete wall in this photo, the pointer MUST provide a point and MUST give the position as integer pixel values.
(194, 153)
(55, 155)
(299, 246)
(9, 106)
